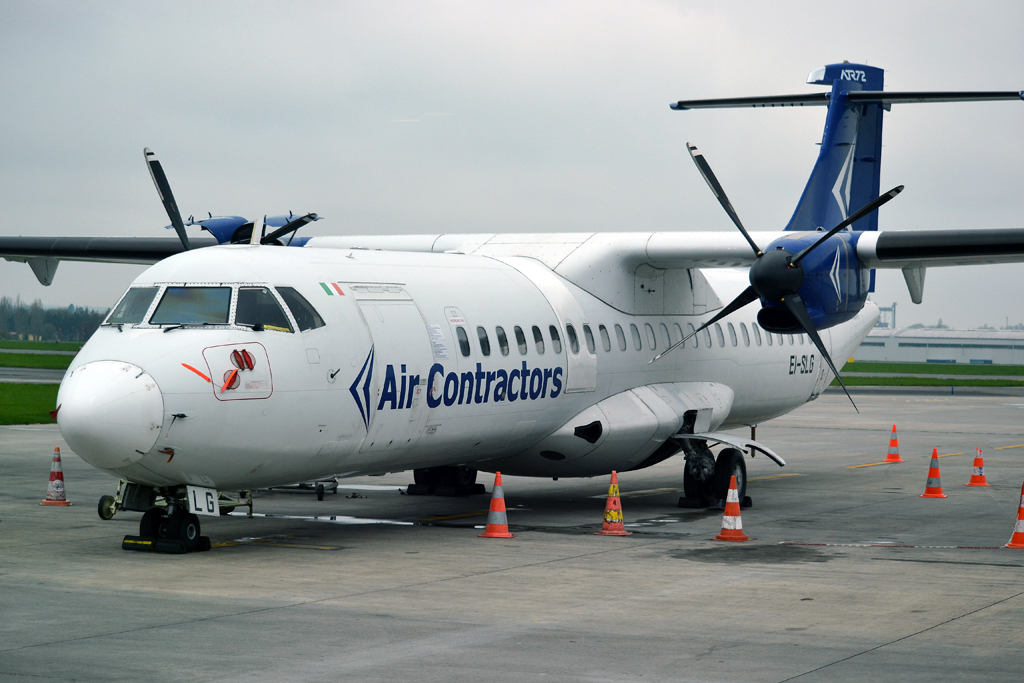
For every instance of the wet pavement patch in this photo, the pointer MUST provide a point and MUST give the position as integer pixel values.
(755, 554)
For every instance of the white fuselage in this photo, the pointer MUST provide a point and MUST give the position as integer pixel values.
(387, 384)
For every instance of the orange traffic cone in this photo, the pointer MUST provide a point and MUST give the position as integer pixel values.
(497, 521)
(1017, 539)
(614, 525)
(894, 448)
(978, 478)
(933, 487)
(732, 525)
(55, 494)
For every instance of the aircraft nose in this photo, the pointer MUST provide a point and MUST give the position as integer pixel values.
(111, 413)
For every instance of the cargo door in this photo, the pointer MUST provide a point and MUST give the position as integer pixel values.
(392, 387)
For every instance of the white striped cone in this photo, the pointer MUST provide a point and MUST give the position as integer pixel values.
(978, 477)
(55, 493)
(1017, 539)
(732, 524)
(497, 520)
(933, 487)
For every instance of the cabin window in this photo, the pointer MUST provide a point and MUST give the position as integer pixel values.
(556, 342)
(485, 343)
(305, 315)
(620, 336)
(678, 333)
(502, 340)
(460, 332)
(780, 339)
(757, 333)
(574, 342)
(768, 338)
(732, 334)
(746, 335)
(606, 341)
(133, 306)
(801, 337)
(538, 339)
(791, 342)
(256, 307)
(193, 306)
(520, 339)
(637, 344)
(720, 334)
(692, 331)
(665, 335)
(652, 341)
(588, 335)
(707, 337)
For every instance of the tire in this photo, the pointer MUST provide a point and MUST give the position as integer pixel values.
(106, 507)
(149, 526)
(695, 490)
(423, 476)
(458, 476)
(728, 464)
(188, 531)
(319, 491)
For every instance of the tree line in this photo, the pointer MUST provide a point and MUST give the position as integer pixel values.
(34, 321)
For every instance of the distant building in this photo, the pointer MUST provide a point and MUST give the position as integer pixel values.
(931, 345)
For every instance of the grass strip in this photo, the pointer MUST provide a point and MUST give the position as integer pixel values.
(34, 360)
(27, 403)
(41, 346)
(933, 368)
(854, 381)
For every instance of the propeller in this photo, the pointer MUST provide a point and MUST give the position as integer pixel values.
(291, 226)
(775, 276)
(163, 188)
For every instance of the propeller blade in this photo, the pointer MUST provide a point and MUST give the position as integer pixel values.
(865, 210)
(290, 226)
(257, 231)
(163, 188)
(796, 306)
(746, 296)
(716, 188)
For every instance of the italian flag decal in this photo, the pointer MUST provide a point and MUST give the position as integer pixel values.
(327, 288)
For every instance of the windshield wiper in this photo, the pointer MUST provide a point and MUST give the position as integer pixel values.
(183, 325)
(255, 327)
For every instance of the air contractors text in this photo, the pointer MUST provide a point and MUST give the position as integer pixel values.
(520, 384)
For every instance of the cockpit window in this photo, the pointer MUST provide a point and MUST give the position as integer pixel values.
(133, 306)
(305, 315)
(193, 305)
(257, 307)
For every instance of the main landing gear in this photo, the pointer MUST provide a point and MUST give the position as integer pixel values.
(451, 480)
(706, 478)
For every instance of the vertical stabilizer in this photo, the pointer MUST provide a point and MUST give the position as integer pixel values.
(846, 175)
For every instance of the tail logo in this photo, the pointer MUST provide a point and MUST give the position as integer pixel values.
(363, 378)
(853, 75)
(834, 276)
(841, 190)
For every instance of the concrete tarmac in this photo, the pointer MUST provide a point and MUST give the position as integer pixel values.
(850, 576)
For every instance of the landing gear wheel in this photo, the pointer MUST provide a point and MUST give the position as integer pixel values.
(696, 493)
(458, 477)
(728, 464)
(106, 507)
(319, 491)
(188, 530)
(149, 527)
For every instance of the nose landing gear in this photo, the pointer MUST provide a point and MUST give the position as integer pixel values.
(172, 530)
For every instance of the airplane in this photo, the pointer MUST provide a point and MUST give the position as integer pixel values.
(242, 361)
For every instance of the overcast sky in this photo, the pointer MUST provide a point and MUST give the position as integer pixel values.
(392, 117)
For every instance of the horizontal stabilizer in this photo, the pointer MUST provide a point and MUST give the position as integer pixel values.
(821, 99)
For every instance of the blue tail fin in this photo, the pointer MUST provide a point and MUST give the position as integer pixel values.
(846, 175)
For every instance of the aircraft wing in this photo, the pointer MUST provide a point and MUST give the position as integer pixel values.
(44, 253)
